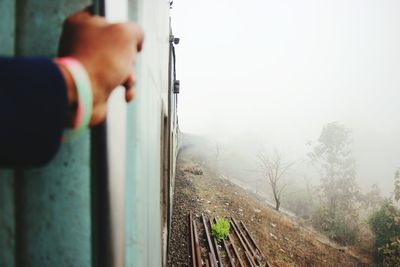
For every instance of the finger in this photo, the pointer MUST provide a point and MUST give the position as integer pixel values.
(140, 40)
(130, 81)
(129, 84)
(130, 94)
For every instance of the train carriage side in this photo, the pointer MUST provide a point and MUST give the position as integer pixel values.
(105, 199)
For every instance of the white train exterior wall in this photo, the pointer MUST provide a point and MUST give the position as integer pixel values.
(53, 216)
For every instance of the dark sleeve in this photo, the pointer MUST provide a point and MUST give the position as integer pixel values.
(33, 111)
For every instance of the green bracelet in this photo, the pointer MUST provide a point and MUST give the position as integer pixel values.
(85, 98)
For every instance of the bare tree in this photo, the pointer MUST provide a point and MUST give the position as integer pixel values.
(273, 169)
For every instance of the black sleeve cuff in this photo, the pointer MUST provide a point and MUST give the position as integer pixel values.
(33, 111)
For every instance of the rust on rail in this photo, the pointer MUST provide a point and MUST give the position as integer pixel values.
(197, 244)
(258, 250)
(212, 257)
(239, 249)
(216, 246)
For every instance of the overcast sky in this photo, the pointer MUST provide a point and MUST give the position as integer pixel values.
(279, 70)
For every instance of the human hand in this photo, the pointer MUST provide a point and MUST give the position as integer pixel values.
(107, 51)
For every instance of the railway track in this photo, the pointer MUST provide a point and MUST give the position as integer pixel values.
(239, 249)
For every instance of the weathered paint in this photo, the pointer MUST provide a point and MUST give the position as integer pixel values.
(53, 210)
(50, 224)
(7, 27)
(7, 216)
(143, 210)
(52, 204)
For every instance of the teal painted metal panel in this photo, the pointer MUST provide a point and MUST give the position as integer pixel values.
(7, 27)
(7, 218)
(53, 210)
(52, 204)
(131, 194)
(131, 191)
(39, 24)
(143, 220)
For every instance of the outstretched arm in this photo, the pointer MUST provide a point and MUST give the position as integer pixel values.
(37, 95)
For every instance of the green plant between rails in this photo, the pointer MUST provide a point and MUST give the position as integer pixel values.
(220, 229)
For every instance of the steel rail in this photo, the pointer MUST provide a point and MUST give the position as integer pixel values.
(252, 239)
(239, 237)
(235, 250)
(192, 239)
(249, 259)
(197, 244)
(212, 263)
(216, 246)
(250, 248)
(228, 253)
(213, 259)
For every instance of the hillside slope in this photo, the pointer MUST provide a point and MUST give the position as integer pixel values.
(282, 240)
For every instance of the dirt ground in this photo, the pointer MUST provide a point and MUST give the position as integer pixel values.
(282, 240)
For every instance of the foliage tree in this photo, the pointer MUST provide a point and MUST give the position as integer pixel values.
(274, 169)
(397, 185)
(373, 199)
(337, 215)
(385, 224)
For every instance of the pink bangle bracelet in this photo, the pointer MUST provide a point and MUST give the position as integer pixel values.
(84, 92)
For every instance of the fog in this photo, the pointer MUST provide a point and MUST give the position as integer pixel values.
(260, 74)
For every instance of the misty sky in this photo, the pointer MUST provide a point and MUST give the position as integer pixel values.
(277, 71)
